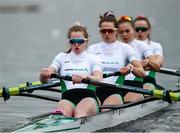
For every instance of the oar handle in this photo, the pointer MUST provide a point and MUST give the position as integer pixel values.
(118, 73)
(170, 71)
(54, 75)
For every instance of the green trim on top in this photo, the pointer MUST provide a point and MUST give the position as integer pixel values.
(152, 74)
(91, 87)
(63, 86)
(139, 79)
(120, 80)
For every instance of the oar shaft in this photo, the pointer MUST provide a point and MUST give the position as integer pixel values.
(156, 93)
(108, 85)
(170, 71)
(39, 96)
(173, 96)
(27, 87)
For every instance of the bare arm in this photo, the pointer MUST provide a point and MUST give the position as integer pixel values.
(153, 62)
(159, 59)
(135, 67)
(97, 75)
(138, 69)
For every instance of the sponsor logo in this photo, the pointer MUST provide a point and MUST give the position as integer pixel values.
(110, 62)
(66, 61)
(76, 69)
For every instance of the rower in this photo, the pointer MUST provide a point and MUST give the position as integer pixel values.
(143, 51)
(142, 28)
(115, 56)
(78, 100)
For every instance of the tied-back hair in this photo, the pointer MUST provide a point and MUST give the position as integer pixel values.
(125, 19)
(108, 17)
(143, 18)
(77, 28)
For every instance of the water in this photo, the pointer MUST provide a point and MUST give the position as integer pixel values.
(32, 32)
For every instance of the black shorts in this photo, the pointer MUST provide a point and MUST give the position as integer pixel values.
(103, 92)
(76, 95)
(151, 80)
(133, 83)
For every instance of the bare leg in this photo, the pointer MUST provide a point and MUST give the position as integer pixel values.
(66, 107)
(148, 86)
(114, 99)
(131, 97)
(85, 107)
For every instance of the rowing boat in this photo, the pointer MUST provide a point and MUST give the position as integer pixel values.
(118, 114)
(58, 123)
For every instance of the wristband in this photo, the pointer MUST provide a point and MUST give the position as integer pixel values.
(131, 68)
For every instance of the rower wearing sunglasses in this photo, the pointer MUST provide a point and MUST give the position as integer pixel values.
(143, 51)
(115, 56)
(78, 99)
(142, 28)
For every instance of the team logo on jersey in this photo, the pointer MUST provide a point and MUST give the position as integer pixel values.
(110, 69)
(110, 62)
(98, 53)
(76, 69)
(66, 61)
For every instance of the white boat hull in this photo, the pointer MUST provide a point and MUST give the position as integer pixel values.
(96, 122)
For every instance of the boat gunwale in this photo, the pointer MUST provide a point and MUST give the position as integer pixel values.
(36, 118)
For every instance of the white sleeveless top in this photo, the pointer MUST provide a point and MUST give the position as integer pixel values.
(142, 51)
(67, 64)
(113, 56)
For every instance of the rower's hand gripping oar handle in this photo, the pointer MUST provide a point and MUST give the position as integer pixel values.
(69, 78)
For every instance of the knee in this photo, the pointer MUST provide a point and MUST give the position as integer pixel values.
(80, 113)
(66, 108)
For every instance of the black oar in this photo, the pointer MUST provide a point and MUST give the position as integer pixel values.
(39, 96)
(111, 74)
(164, 94)
(28, 87)
(169, 71)
(119, 106)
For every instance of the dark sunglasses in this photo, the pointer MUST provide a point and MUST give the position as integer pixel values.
(77, 41)
(107, 30)
(142, 29)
